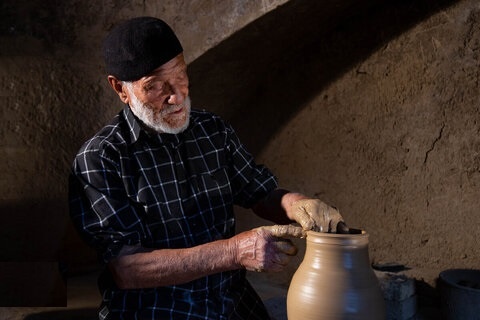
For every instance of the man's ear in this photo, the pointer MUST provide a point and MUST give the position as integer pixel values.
(119, 88)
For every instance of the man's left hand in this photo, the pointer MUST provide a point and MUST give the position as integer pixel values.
(313, 214)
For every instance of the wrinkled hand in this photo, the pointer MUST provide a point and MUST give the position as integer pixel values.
(313, 214)
(266, 248)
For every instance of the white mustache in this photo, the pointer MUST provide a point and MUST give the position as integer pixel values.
(172, 108)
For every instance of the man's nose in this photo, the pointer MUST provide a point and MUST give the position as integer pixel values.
(175, 96)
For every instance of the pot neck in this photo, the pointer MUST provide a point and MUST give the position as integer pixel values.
(346, 250)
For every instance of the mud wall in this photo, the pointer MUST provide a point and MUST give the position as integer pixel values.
(371, 107)
(394, 141)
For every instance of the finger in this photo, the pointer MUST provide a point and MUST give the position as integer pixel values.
(287, 231)
(256, 269)
(342, 228)
(277, 262)
(336, 224)
(304, 219)
(286, 247)
(282, 259)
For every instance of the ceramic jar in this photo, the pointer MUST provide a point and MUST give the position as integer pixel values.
(335, 280)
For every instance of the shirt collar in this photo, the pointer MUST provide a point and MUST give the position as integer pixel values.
(134, 126)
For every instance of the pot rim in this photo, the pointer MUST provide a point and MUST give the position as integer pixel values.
(451, 278)
(338, 238)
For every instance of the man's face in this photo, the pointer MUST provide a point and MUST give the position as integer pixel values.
(160, 99)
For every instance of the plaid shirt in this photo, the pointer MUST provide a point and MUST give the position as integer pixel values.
(131, 187)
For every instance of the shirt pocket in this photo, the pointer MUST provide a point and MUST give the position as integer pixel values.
(213, 183)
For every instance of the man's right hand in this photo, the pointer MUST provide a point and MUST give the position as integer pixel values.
(266, 248)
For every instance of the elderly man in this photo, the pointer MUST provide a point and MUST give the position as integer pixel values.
(154, 190)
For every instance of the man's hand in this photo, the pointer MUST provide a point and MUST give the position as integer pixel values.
(266, 248)
(313, 214)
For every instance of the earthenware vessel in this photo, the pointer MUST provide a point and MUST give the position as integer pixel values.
(335, 280)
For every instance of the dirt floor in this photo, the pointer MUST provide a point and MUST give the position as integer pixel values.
(83, 300)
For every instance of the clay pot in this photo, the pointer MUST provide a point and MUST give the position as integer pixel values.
(335, 280)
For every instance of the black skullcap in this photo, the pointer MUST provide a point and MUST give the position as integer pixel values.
(138, 46)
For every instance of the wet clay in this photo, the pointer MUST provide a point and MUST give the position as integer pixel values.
(335, 280)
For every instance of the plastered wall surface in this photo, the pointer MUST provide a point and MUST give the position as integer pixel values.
(377, 114)
(394, 143)
(370, 110)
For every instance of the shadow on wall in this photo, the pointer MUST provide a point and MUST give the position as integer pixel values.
(33, 284)
(26, 232)
(265, 73)
(35, 256)
(41, 230)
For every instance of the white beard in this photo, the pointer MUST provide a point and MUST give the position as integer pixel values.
(154, 120)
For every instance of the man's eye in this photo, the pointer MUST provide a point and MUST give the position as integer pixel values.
(154, 86)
